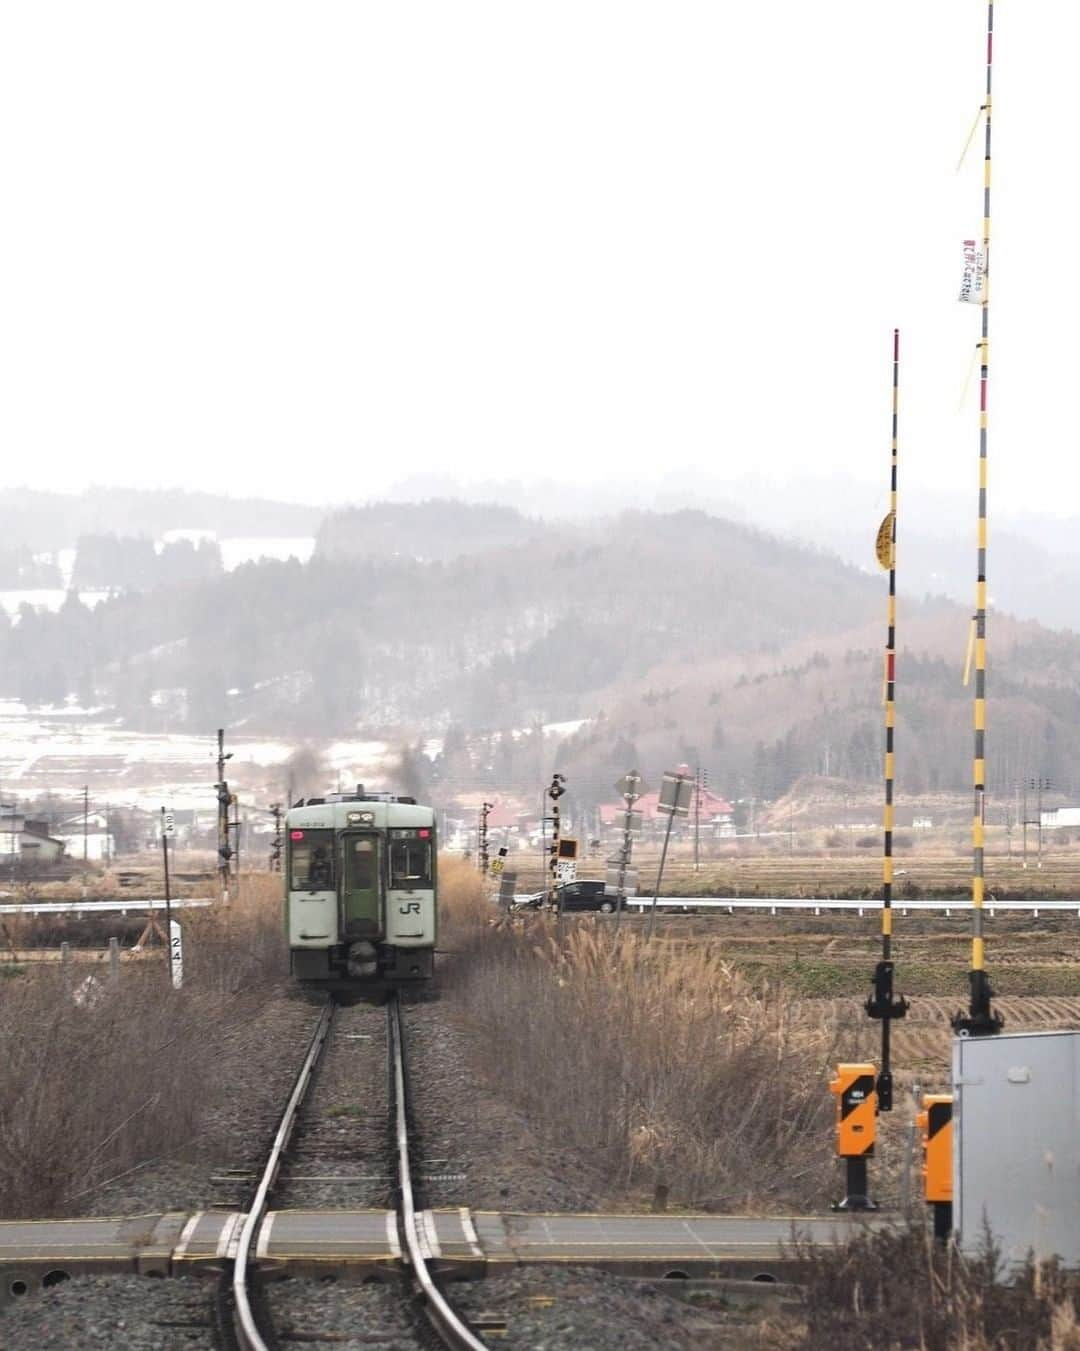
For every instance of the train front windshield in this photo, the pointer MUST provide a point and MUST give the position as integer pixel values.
(311, 860)
(410, 864)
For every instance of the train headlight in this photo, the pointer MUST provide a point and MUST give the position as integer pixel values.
(360, 818)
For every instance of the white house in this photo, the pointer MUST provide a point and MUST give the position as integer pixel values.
(1053, 817)
(99, 843)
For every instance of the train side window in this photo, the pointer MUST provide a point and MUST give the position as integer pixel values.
(410, 864)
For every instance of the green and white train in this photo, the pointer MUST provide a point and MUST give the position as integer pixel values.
(360, 896)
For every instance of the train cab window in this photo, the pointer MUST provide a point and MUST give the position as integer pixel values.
(410, 864)
(363, 873)
(311, 860)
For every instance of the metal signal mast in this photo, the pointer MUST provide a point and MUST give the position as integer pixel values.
(981, 1019)
(883, 1004)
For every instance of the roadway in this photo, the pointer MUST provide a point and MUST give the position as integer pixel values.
(816, 906)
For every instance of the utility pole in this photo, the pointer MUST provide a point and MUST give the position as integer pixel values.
(224, 849)
(1043, 783)
(630, 787)
(85, 822)
(1024, 818)
(236, 833)
(166, 831)
(555, 791)
(674, 799)
(697, 818)
(482, 851)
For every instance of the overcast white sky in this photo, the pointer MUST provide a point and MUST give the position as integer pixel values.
(310, 249)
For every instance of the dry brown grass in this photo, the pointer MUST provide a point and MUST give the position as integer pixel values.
(99, 1079)
(901, 1289)
(666, 1065)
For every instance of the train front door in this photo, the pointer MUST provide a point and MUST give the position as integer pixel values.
(361, 899)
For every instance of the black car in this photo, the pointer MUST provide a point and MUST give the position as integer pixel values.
(575, 896)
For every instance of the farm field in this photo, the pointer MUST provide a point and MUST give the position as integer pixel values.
(826, 962)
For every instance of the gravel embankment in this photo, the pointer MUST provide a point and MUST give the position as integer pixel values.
(129, 1312)
(474, 1148)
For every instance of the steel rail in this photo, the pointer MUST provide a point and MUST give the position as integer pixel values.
(448, 1324)
(245, 1326)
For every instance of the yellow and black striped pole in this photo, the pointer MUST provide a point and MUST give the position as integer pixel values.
(981, 1020)
(883, 1004)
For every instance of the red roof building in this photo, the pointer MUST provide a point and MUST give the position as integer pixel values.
(713, 809)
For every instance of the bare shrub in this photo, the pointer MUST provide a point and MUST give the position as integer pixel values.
(463, 902)
(899, 1288)
(100, 1078)
(92, 1089)
(663, 1062)
(239, 947)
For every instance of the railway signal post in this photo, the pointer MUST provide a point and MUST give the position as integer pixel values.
(482, 850)
(224, 848)
(555, 791)
(278, 842)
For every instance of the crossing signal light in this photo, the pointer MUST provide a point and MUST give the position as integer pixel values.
(856, 1109)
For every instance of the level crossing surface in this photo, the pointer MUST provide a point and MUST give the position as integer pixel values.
(40, 1252)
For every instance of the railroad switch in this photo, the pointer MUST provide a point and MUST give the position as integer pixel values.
(856, 1130)
(935, 1123)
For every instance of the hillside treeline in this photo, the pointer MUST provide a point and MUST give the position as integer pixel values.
(679, 637)
(46, 522)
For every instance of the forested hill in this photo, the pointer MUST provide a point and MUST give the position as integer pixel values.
(44, 522)
(680, 632)
(426, 531)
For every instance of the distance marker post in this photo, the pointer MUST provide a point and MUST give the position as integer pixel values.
(168, 829)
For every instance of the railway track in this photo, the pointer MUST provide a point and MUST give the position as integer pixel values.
(251, 1323)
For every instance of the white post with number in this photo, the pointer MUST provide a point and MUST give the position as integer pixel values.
(176, 954)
